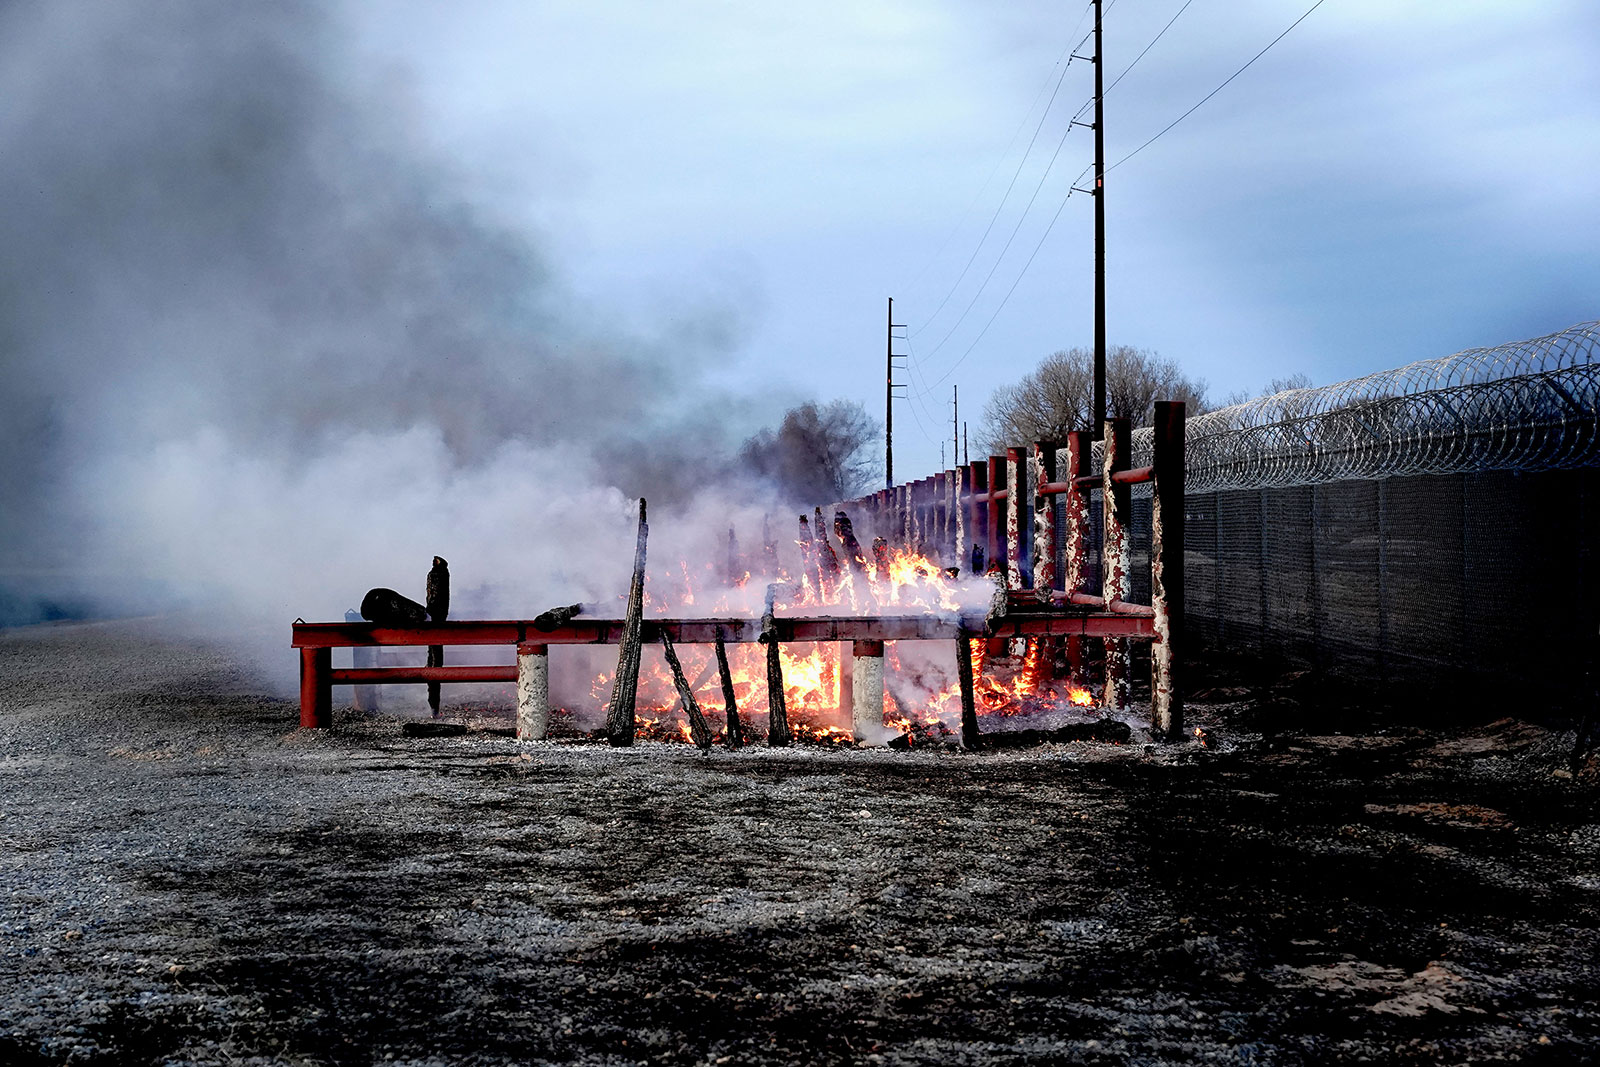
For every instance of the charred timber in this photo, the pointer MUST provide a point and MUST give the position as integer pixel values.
(555, 618)
(778, 735)
(827, 558)
(733, 730)
(853, 551)
(388, 608)
(438, 596)
(620, 721)
(699, 731)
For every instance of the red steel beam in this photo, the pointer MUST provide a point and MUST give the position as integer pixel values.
(326, 635)
(380, 675)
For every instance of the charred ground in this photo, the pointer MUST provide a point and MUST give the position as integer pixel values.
(189, 879)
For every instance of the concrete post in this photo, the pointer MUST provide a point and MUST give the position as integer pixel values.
(533, 692)
(866, 711)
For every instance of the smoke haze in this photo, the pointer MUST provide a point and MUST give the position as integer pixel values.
(258, 349)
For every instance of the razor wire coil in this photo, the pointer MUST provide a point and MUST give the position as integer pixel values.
(1525, 406)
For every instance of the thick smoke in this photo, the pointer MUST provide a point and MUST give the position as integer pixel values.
(258, 349)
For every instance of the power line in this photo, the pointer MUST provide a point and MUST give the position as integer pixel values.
(1218, 89)
(1149, 46)
(1000, 160)
(1014, 284)
(999, 207)
(1001, 257)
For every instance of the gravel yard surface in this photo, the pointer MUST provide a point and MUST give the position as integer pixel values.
(185, 877)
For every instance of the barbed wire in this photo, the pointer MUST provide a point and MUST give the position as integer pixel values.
(1526, 406)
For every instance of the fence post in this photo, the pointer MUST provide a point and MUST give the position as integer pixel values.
(1044, 521)
(1116, 508)
(1166, 569)
(533, 691)
(1080, 453)
(316, 688)
(963, 537)
(980, 518)
(994, 529)
(1016, 539)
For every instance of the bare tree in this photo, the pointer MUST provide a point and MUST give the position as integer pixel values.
(1297, 380)
(818, 454)
(1055, 399)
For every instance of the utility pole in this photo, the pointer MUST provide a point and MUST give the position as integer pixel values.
(955, 421)
(1099, 229)
(888, 397)
(966, 453)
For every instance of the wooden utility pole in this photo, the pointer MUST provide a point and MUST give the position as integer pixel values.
(955, 425)
(1098, 419)
(888, 397)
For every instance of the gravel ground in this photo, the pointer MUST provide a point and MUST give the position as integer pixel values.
(190, 879)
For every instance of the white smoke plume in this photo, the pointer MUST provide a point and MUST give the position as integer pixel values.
(261, 354)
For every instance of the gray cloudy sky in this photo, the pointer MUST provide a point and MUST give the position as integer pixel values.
(295, 295)
(1392, 181)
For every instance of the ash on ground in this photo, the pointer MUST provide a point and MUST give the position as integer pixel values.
(189, 878)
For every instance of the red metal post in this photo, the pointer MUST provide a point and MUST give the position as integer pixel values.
(994, 529)
(1016, 542)
(978, 514)
(1166, 570)
(316, 688)
(1116, 509)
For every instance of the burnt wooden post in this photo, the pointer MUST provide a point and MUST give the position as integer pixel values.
(962, 534)
(866, 701)
(1075, 506)
(1116, 510)
(316, 688)
(810, 570)
(1042, 471)
(1166, 569)
(994, 529)
(827, 558)
(732, 729)
(620, 720)
(437, 597)
(854, 554)
(699, 730)
(735, 571)
(940, 537)
(978, 517)
(769, 548)
(1016, 539)
(969, 701)
(880, 558)
(778, 735)
(533, 691)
